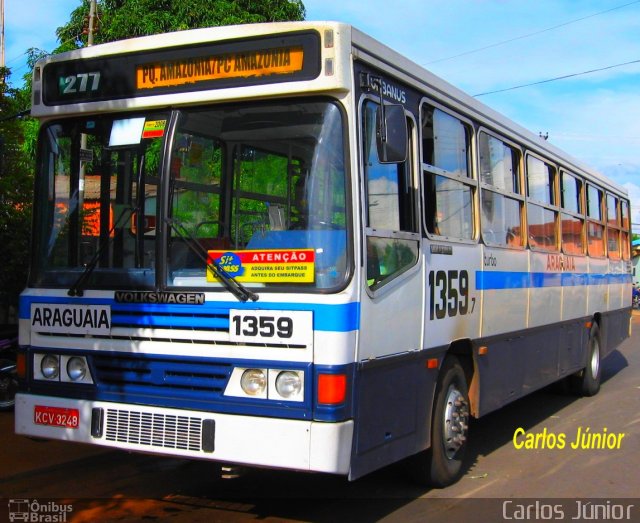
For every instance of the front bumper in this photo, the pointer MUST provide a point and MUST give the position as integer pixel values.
(249, 440)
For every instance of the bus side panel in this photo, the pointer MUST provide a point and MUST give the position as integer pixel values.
(393, 410)
(453, 298)
(575, 287)
(571, 352)
(614, 329)
(545, 293)
(598, 285)
(522, 362)
(617, 285)
(504, 282)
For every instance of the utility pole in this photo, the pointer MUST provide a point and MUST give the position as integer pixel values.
(1, 33)
(83, 136)
(92, 17)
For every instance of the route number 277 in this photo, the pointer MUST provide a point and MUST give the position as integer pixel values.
(449, 294)
(80, 83)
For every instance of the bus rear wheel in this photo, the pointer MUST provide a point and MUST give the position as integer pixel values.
(587, 381)
(441, 464)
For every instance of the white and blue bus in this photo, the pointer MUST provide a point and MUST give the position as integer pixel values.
(286, 245)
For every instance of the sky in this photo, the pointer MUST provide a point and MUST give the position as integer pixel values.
(480, 46)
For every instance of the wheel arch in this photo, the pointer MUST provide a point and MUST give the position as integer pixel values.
(462, 349)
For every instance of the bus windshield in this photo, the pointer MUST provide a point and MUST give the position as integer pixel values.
(257, 190)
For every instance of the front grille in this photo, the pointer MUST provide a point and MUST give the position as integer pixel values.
(160, 376)
(153, 429)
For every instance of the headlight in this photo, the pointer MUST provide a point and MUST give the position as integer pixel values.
(50, 367)
(288, 384)
(253, 381)
(76, 368)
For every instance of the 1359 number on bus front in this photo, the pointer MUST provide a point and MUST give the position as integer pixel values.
(271, 326)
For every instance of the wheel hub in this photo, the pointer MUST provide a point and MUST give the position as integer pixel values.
(456, 421)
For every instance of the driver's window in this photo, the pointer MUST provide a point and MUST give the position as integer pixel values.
(391, 240)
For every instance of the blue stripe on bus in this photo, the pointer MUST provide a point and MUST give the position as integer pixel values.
(326, 317)
(496, 280)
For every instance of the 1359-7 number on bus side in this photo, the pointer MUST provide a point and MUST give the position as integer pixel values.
(449, 294)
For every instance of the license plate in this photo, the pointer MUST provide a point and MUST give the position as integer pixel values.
(56, 417)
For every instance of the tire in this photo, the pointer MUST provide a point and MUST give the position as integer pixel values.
(8, 387)
(587, 381)
(441, 464)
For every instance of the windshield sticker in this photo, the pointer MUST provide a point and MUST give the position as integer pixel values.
(154, 128)
(265, 266)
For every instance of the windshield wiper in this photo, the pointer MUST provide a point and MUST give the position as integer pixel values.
(234, 286)
(77, 289)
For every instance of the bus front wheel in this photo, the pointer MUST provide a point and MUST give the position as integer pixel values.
(441, 464)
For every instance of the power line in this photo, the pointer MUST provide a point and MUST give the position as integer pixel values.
(556, 78)
(497, 44)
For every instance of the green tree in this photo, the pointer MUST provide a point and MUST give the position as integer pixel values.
(16, 185)
(120, 19)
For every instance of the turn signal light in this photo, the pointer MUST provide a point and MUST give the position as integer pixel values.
(332, 388)
(21, 366)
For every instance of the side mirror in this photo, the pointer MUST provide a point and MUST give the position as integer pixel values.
(391, 133)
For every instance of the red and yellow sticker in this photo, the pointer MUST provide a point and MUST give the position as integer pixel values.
(265, 265)
(154, 128)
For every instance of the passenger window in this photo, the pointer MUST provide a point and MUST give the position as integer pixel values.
(501, 199)
(446, 164)
(595, 224)
(541, 216)
(392, 240)
(613, 228)
(624, 235)
(540, 176)
(571, 220)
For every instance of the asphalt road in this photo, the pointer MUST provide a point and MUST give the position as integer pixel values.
(502, 482)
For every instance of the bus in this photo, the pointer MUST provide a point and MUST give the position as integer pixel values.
(287, 246)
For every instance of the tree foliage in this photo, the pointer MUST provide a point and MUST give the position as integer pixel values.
(16, 184)
(120, 19)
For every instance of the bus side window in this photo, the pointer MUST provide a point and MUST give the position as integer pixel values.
(446, 164)
(613, 227)
(502, 201)
(595, 222)
(571, 219)
(624, 235)
(542, 214)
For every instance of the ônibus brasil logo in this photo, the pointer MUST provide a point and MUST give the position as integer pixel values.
(32, 510)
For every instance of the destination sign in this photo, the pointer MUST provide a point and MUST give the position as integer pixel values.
(231, 65)
(207, 65)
